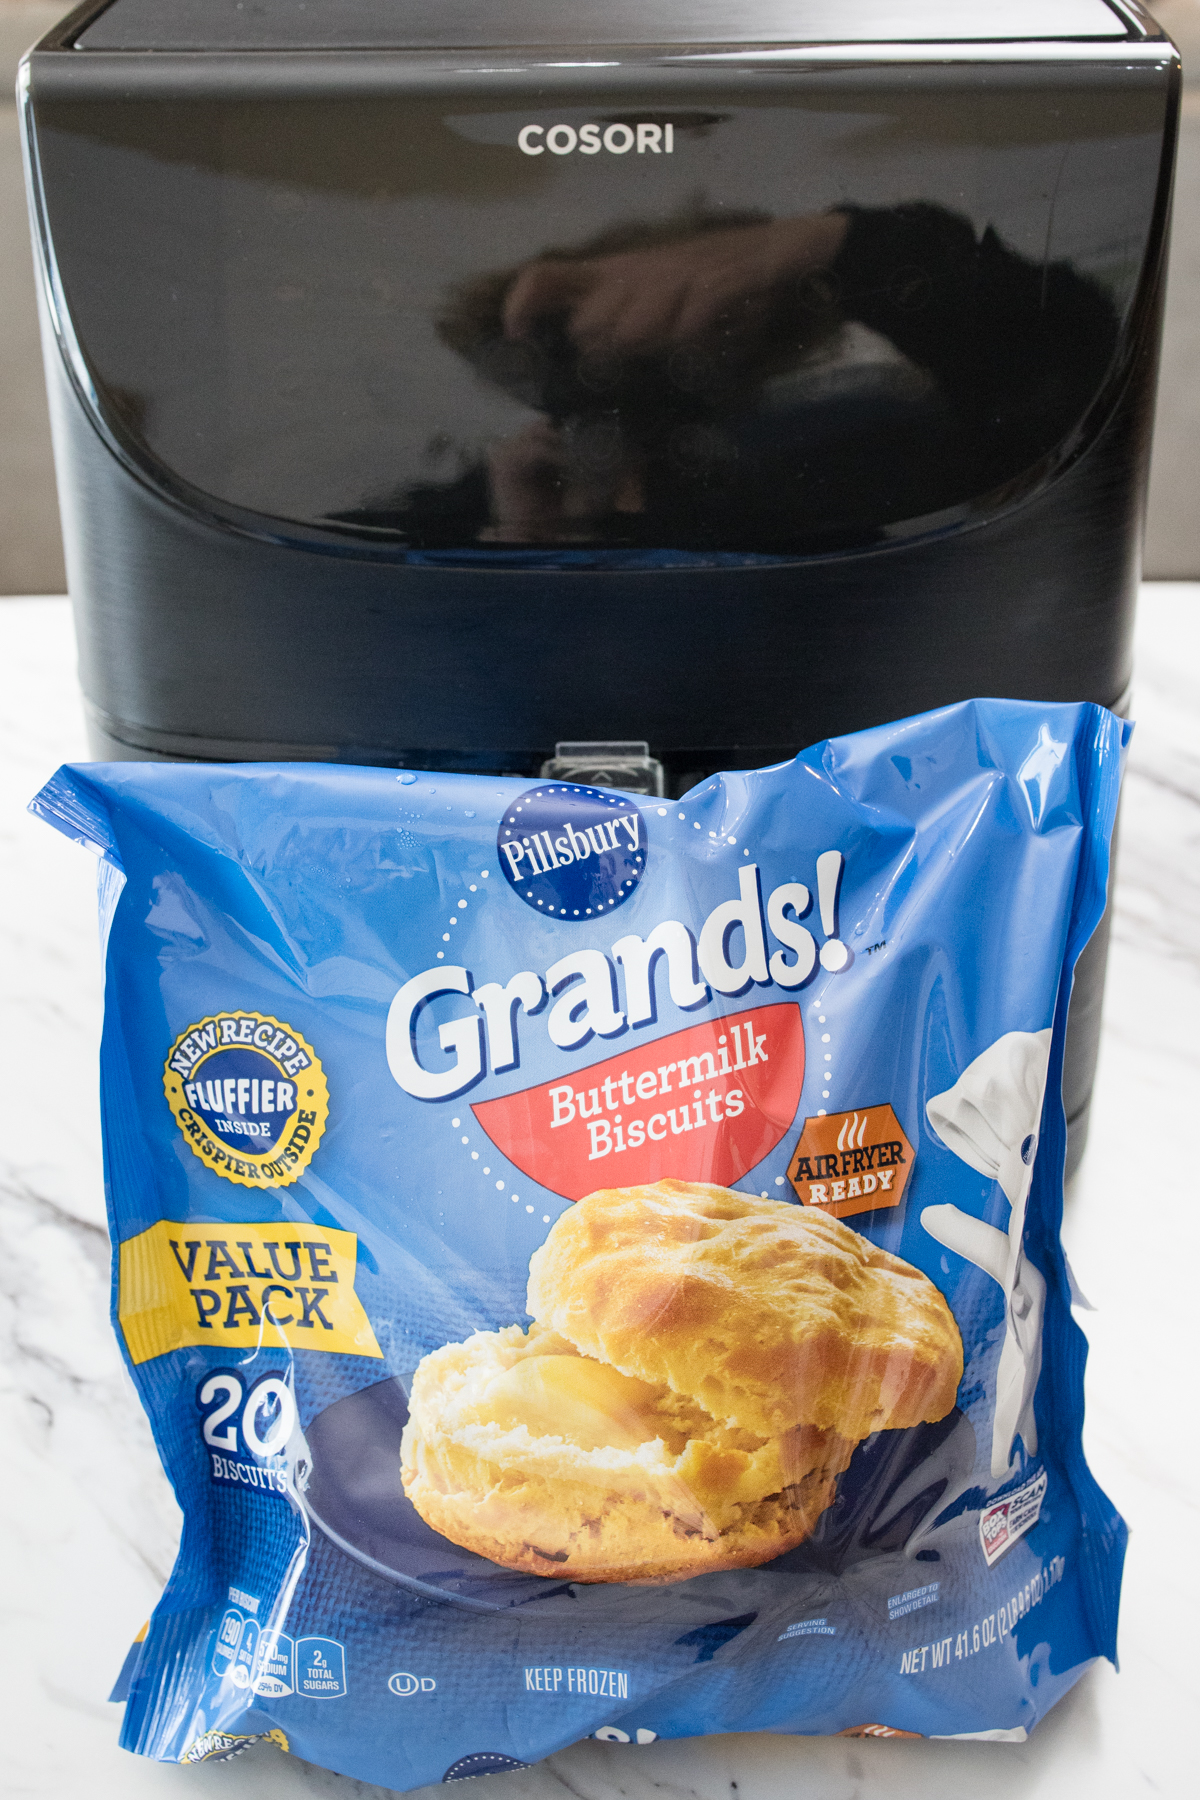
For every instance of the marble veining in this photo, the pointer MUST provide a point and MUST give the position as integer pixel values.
(88, 1523)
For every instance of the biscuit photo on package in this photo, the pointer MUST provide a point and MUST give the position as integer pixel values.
(700, 1368)
(591, 1261)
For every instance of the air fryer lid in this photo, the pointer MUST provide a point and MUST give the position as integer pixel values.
(727, 314)
(448, 24)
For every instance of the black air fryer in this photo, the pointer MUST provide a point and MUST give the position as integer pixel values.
(441, 382)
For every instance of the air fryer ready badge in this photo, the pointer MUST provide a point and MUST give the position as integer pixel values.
(591, 1261)
(852, 1162)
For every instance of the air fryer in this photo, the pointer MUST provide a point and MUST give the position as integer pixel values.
(435, 382)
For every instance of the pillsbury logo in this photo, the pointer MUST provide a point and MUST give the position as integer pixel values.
(572, 852)
(618, 139)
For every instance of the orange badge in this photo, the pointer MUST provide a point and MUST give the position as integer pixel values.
(852, 1162)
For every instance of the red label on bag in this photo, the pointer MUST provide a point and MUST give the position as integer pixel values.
(705, 1104)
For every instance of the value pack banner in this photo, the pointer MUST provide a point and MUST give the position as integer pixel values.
(591, 1261)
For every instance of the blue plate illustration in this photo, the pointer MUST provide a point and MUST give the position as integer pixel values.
(896, 1484)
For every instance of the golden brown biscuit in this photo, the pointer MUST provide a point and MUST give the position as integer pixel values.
(769, 1315)
(541, 1459)
(701, 1367)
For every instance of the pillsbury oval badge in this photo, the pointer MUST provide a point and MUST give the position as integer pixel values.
(573, 852)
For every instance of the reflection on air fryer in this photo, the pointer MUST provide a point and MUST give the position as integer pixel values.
(827, 316)
(736, 380)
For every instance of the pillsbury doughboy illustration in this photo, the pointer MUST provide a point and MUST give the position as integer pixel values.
(990, 1119)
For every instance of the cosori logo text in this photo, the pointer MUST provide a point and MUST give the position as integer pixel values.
(618, 139)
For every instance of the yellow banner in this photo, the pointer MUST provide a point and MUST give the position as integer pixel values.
(237, 1286)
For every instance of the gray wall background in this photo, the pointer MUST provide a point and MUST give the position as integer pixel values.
(30, 546)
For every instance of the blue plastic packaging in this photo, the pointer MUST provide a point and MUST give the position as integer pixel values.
(374, 1038)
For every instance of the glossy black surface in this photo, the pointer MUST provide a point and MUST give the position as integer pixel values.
(407, 24)
(199, 641)
(816, 317)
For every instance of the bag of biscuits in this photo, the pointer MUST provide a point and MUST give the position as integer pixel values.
(591, 1261)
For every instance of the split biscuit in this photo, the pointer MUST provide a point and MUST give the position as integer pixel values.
(700, 1369)
(770, 1315)
(528, 1453)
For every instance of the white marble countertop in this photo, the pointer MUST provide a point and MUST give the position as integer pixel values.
(88, 1526)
